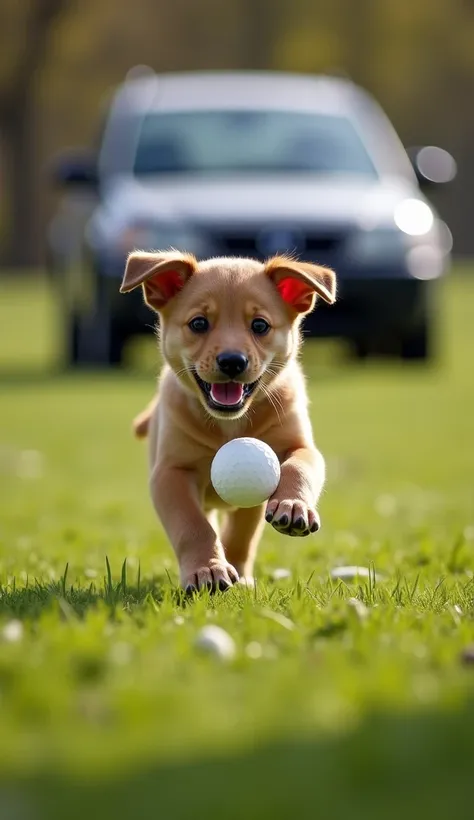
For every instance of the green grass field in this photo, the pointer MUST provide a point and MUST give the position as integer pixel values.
(329, 709)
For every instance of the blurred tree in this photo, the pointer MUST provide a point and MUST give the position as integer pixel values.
(416, 57)
(61, 59)
(25, 29)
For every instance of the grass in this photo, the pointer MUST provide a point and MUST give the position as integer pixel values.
(329, 709)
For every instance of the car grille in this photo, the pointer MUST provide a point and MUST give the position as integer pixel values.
(311, 245)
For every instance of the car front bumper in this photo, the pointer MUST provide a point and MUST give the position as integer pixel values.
(382, 300)
(366, 306)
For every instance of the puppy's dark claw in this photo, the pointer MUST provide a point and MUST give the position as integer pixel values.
(297, 527)
(269, 517)
(218, 584)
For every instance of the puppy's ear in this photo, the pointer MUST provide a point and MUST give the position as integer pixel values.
(299, 283)
(162, 275)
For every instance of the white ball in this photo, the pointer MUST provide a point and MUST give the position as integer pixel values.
(245, 472)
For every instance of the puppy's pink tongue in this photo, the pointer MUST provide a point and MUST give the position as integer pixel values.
(229, 393)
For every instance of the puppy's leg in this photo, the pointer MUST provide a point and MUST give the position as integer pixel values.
(292, 508)
(213, 518)
(141, 422)
(241, 535)
(201, 556)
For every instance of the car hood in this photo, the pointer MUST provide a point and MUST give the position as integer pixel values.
(350, 201)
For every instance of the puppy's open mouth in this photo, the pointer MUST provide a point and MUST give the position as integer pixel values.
(227, 397)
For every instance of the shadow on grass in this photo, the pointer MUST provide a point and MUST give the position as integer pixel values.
(326, 368)
(32, 600)
(23, 377)
(390, 767)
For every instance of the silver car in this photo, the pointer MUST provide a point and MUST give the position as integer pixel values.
(252, 164)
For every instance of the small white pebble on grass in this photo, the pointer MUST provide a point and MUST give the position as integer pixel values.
(456, 613)
(254, 650)
(280, 574)
(360, 609)
(12, 632)
(351, 573)
(216, 641)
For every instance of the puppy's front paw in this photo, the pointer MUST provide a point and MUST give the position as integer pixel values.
(292, 517)
(216, 575)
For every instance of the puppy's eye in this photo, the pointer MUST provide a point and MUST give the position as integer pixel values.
(199, 324)
(260, 327)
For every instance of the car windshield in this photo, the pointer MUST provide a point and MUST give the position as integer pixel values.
(208, 142)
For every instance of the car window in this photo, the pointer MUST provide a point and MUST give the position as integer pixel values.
(242, 141)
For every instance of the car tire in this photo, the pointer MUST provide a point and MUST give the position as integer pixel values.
(360, 349)
(415, 346)
(90, 343)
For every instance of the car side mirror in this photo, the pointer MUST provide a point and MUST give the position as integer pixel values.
(78, 169)
(432, 165)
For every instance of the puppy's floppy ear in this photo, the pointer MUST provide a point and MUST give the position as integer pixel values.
(162, 275)
(299, 283)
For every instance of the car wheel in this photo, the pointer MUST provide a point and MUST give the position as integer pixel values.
(360, 348)
(412, 346)
(90, 342)
(415, 346)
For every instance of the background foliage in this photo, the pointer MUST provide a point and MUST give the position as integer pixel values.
(59, 59)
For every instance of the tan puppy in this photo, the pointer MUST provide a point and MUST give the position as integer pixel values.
(229, 334)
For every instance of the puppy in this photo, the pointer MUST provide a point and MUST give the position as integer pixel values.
(229, 335)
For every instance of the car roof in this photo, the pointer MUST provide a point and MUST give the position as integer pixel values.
(142, 93)
(184, 91)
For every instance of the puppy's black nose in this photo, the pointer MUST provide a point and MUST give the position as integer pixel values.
(232, 363)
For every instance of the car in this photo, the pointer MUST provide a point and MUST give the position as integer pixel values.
(252, 164)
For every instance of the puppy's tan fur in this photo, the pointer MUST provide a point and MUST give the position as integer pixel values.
(185, 431)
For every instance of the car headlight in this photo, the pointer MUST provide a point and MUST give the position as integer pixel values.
(426, 262)
(414, 217)
(159, 236)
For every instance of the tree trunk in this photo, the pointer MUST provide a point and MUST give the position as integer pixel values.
(20, 177)
(260, 21)
(17, 122)
(359, 31)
